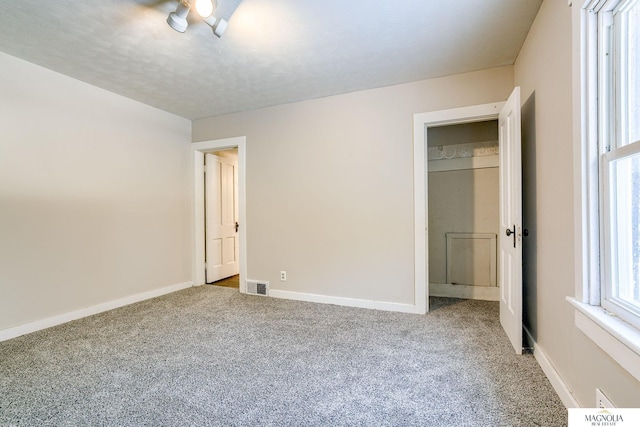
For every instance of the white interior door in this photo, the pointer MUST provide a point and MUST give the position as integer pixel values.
(221, 201)
(511, 220)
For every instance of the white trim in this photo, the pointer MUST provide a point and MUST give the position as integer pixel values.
(483, 293)
(558, 384)
(421, 248)
(421, 122)
(199, 148)
(443, 165)
(346, 302)
(89, 311)
(617, 338)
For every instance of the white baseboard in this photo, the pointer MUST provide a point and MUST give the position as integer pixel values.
(38, 325)
(347, 302)
(555, 379)
(485, 293)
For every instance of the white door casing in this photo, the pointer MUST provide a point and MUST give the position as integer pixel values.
(199, 149)
(422, 121)
(510, 238)
(221, 217)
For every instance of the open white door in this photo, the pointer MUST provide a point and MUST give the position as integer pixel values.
(221, 201)
(511, 220)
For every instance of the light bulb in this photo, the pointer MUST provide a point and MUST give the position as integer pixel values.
(204, 8)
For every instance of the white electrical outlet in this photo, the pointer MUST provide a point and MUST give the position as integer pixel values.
(602, 401)
(283, 276)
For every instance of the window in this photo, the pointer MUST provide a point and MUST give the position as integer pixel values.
(618, 38)
(607, 70)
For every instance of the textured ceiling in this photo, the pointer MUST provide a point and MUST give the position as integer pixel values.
(273, 52)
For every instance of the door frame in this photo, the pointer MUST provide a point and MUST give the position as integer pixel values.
(199, 149)
(421, 122)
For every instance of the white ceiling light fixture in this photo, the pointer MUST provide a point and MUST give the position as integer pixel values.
(218, 25)
(178, 19)
(205, 8)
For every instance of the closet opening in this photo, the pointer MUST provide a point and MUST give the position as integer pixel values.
(464, 210)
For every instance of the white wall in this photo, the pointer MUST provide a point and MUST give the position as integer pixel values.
(544, 71)
(95, 195)
(330, 184)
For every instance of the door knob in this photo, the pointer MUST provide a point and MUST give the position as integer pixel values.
(237, 226)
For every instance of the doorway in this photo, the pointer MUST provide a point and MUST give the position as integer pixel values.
(510, 178)
(200, 150)
(422, 122)
(221, 217)
(463, 219)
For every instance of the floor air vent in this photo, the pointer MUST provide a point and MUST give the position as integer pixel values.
(255, 287)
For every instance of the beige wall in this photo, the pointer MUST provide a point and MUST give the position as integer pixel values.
(544, 71)
(461, 201)
(330, 184)
(95, 195)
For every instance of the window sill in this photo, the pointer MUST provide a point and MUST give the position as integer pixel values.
(616, 337)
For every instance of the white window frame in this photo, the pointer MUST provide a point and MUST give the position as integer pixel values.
(614, 144)
(594, 92)
(612, 278)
